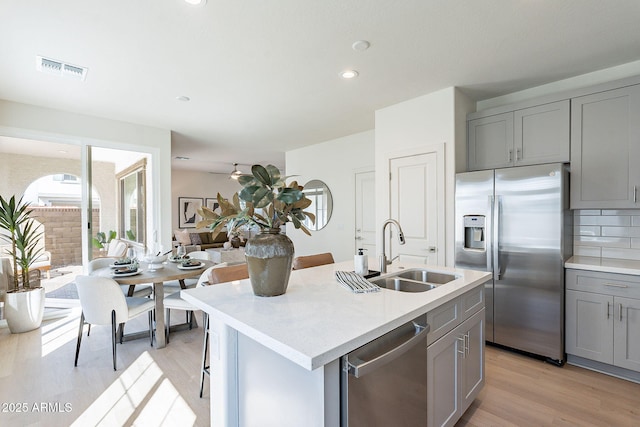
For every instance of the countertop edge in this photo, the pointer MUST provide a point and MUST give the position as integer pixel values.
(605, 265)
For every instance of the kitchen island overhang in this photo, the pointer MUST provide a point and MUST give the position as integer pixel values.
(307, 330)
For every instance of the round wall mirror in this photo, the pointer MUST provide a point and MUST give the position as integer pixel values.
(321, 204)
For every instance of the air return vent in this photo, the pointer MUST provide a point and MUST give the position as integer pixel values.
(59, 68)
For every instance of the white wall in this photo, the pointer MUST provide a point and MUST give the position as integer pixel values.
(198, 184)
(412, 125)
(38, 123)
(335, 163)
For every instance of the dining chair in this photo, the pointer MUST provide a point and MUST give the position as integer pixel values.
(117, 248)
(175, 302)
(103, 303)
(139, 291)
(312, 260)
(216, 276)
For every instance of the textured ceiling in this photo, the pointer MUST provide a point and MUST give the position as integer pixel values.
(263, 75)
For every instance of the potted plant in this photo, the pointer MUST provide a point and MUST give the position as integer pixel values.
(266, 202)
(102, 239)
(24, 302)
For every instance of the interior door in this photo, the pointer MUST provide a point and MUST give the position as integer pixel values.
(365, 235)
(414, 203)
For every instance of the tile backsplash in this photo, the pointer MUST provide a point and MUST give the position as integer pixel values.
(607, 233)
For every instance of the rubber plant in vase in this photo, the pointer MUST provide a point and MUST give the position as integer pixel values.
(266, 201)
(24, 302)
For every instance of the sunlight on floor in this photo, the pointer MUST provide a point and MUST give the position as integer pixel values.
(58, 333)
(136, 388)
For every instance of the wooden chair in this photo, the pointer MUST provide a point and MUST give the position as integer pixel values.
(312, 260)
(103, 303)
(218, 275)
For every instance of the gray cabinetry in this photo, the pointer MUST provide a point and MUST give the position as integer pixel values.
(455, 360)
(603, 317)
(527, 136)
(605, 147)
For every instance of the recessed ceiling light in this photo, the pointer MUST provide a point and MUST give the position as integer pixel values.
(349, 74)
(183, 98)
(181, 158)
(196, 2)
(360, 45)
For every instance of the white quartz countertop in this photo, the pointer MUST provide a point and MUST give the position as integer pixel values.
(317, 320)
(605, 265)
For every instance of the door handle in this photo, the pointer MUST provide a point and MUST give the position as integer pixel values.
(608, 309)
(462, 351)
(510, 156)
(496, 237)
(432, 249)
(620, 311)
(488, 238)
(517, 154)
(635, 194)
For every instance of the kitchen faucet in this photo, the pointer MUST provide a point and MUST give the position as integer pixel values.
(383, 257)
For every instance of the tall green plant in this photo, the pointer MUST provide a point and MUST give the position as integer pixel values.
(21, 231)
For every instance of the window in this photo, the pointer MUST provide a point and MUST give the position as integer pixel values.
(132, 203)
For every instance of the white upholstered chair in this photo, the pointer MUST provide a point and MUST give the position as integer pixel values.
(103, 303)
(140, 290)
(117, 248)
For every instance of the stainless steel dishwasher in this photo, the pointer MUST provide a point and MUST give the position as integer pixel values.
(384, 382)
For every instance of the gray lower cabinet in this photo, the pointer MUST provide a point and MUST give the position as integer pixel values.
(455, 366)
(528, 136)
(605, 146)
(603, 317)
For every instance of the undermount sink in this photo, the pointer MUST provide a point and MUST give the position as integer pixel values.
(427, 276)
(414, 280)
(399, 284)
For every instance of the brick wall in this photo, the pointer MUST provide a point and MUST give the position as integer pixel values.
(63, 233)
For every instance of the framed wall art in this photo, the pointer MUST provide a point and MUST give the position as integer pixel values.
(187, 211)
(212, 204)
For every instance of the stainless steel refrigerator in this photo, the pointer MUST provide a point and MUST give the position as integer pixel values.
(515, 223)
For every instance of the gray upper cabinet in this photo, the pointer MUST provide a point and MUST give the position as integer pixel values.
(527, 136)
(605, 147)
(491, 142)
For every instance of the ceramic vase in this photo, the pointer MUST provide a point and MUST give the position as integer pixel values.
(269, 257)
(24, 309)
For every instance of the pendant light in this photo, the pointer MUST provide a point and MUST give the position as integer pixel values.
(235, 174)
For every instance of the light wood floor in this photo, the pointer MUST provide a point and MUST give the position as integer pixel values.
(151, 387)
(160, 387)
(521, 391)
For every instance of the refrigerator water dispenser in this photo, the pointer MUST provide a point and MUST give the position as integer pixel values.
(474, 232)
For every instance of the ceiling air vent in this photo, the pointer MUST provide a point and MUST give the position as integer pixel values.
(59, 68)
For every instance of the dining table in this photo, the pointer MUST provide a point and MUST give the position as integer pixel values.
(157, 274)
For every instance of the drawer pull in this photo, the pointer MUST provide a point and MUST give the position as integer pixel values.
(613, 285)
(608, 309)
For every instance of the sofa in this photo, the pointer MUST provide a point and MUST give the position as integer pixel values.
(199, 239)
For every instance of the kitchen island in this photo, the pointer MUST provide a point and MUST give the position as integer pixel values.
(275, 361)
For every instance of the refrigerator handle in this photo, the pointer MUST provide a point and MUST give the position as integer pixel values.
(496, 237)
(490, 241)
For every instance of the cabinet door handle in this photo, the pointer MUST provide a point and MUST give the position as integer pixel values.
(463, 352)
(620, 313)
(466, 343)
(510, 155)
(635, 194)
(608, 309)
(518, 154)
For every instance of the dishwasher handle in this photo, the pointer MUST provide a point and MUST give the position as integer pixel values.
(360, 368)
